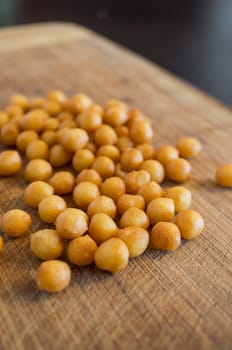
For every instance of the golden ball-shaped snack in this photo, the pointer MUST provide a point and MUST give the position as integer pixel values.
(148, 151)
(160, 209)
(90, 120)
(127, 201)
(109, 151)
(155, 169)
(37, 102)
(10, 163)
(131, 159)
(9, 133)
(135, 179)
(102, 204)
(59, 156)
(113, 187)
(71, 223)
(56, 95)
(115, 103)
(14, 111)
(49, 137)
(75, 139)
(136, 239)
(51, 124)
(190, 223)
(50, 207)
(36, 191)
(178, 170)
(47, 244)
(134, 217)
(81, 250)
(182, 197)
(20, 100)
(38, 170)
(65, 116)
(124, 142)
(122, 130)
(53, 276)
(112, 255)
(166, 153)
(89, 175)
(165, 236)
(15, 222)
(150, 190)
(105, 135)
(102, 227)
(81, 103)
(84, 193)
(37, 149)
(141, 132)
(188, 147)
(224, 175)
(34, 120)
(104, 166)
(62, 182)
(115, 116)
(52, 107)
(24, 138)
(82, 159)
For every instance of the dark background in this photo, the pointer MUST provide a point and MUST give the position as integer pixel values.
(193, 38)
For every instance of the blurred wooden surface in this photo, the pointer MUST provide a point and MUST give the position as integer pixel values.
(162, 300)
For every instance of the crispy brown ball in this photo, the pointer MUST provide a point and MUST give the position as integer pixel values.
(102, 204)
(84, 193)
(15, 222)
(10, 163)
(190, 223)
(127, 201)
(112, 255)
(113, 187)
(165, 236)
(102, 227)
(62, 182)
(178, 170)
(38, 169)
(134, 217)
(89, 175)
(81, 250)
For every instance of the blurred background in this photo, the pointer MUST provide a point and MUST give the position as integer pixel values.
(193, 39)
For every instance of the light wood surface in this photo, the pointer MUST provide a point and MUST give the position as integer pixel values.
(179, 300)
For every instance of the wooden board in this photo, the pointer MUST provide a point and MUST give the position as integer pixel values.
(179, 300)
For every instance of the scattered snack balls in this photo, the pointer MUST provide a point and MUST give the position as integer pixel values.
(110, 172)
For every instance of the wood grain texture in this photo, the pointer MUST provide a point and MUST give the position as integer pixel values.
(179, 300)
